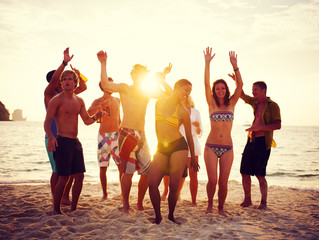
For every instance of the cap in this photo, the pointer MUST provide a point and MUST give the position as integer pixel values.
(49, 75)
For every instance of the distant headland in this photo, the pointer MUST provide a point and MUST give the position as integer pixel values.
(5, 115)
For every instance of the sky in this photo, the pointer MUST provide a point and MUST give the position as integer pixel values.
(277, 41)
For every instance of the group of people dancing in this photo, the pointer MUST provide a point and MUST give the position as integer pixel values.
(177, 125)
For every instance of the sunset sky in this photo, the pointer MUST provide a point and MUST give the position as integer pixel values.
(277, 41)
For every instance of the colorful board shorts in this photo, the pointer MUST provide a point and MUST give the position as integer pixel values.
(134, 151)
(68, 156)
(107, 146)
(50, 155)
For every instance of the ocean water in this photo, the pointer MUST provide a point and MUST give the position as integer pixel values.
(294, 163)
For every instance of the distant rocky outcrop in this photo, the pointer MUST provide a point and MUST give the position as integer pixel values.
(4, 113)
(17, 115)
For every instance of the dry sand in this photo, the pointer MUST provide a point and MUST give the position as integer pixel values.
(26, 213)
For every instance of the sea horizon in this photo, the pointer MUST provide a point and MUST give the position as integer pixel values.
(24, 158)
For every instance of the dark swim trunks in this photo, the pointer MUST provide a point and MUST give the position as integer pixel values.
(255, 157)
(68, 156)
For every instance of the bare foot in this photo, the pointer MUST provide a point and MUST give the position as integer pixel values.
(194, 204)
(171, 218)
(246, 203)
(124, 210)
(262, 206)
(73, 209)
(222, 212)
(209, 209)
(155, 220)
(164, 195)
(140, 207)
(66, 201)
(103, 198)
(55, 212)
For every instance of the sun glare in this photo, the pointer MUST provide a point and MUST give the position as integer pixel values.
(150, 83)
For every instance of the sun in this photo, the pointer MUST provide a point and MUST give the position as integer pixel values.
(150, 84)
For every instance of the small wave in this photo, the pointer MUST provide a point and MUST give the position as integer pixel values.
(278, 174)
(14, 182)
(295, 188)
(309, 176)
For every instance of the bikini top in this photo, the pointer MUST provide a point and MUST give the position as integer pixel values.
(222, 116)
(171, 120)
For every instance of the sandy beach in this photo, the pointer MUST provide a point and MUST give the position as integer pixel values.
(26, 213)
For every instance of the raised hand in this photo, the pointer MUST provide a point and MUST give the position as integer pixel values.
(102, 56)
(67, 58)
(75, 70)
(208, 54)
(233, 59)
(167, 69)
(233, 76)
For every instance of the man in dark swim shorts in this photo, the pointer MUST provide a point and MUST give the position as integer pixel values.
(260, 140)
(65, 108)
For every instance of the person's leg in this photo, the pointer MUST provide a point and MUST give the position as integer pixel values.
(193, 182)
(177, 165)
(58, 192)
(103, 180)
(76, 189)
(211, 162)
(246, 181)
(53, 181)
(180, 186)
(66, 194)
(120, 176)
(142, 188)
(165, 192)
(263, 190)
(155, 177)
(126, 184)
(225, 164)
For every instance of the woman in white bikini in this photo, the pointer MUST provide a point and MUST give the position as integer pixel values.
(219, 145)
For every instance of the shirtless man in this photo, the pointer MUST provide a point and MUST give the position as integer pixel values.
(134, 151)
(260, 140)
(65, 108)
(108, 133)
(53, 88)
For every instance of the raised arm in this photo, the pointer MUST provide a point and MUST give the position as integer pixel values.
(239, 82)
(161, 77)
(49, 91)
(106, 85)
(82, 85)
(208, 57)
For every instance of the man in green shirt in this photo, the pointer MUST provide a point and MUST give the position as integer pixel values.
(260, 140)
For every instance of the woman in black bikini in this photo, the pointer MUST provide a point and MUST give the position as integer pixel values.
(172, 149)
(219, 143)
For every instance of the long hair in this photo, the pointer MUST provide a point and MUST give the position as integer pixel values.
(182, 82)
(227, 95)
